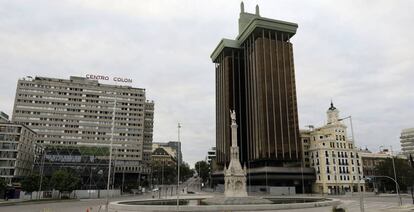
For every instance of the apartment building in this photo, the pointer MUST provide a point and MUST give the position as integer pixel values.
(81, 112)
(333, 155)
(407, 142)
(17, 150)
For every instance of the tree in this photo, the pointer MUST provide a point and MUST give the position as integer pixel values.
(31, 183)
(203, 170)
(64, 181)
(405, 174)
(167, 173)
(164, 173)
(185, 172)
(3, 185)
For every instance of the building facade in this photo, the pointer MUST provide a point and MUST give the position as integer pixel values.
(211, 155)
(334, 157)
(17, 151)
(80, 112)
(4, 117)
(161, 156)
(255, 77)
(407, 142)
(172, 147)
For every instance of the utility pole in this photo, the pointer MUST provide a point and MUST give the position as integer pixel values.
(358, 177)
(178, 167)
(41, 171)
(110, 156)
(395, 177)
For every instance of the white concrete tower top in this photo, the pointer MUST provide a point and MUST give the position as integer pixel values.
(332, 114)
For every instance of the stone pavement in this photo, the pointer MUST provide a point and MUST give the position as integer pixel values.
(372, 203)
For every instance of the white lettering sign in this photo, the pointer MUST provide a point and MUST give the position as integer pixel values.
(103, 77)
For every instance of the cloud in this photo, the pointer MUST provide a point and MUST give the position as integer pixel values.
(359, 53)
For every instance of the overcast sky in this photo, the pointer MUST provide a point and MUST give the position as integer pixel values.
(358, 53)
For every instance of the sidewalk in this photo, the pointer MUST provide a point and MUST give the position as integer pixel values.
(408, 207)
(42, 201)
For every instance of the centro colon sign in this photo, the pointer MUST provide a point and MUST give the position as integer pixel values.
(107, 78)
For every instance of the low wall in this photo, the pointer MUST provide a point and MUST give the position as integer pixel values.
(118, 206)
(78, 194)
(282, 190)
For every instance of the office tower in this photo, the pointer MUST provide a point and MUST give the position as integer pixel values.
(255, 77)
(407, 142)
(73, 117)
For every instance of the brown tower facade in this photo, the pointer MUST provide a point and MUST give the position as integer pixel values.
(255, 76)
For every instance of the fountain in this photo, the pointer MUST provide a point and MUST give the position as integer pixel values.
(235, 177)
(235, 194)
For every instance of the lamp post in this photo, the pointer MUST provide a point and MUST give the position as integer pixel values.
(303, 180)
(395, 176)
(178, 167)
(396, 184)
(41, 171)
(110, 156)
(361, 195)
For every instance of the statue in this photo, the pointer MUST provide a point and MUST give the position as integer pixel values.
(234, 174)
(233, 116)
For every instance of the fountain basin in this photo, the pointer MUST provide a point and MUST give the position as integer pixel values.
(198, 203)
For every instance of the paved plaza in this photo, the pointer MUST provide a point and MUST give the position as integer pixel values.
(372, 203)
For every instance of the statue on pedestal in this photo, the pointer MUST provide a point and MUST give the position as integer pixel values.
(234, 175)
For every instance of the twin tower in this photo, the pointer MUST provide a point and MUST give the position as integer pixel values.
(255, 76)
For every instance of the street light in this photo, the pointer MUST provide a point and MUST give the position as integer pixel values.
(178, 167)
(42, 165)
(395, 176)
(361, 195)
(110, 155)
(396, 184)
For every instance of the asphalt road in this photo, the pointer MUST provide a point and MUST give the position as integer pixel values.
(372, 203)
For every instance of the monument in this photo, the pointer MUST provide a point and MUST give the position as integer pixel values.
(235, 192)
(234, 175)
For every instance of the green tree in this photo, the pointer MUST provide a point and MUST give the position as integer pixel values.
(164, 173)
(405, 174)
(185, 172)
(167, 173)
(31, 183)
(3, 186)
(64, 181)
(204, 168)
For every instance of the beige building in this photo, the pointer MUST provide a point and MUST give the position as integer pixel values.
(17, 150)
(173, 148)
(334, 156)
(407, 141)
(371, 159)
(162, 156)
(79, 112)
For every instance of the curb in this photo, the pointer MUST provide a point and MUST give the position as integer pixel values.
(28, 202)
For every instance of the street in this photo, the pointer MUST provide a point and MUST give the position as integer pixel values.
(372, 204)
